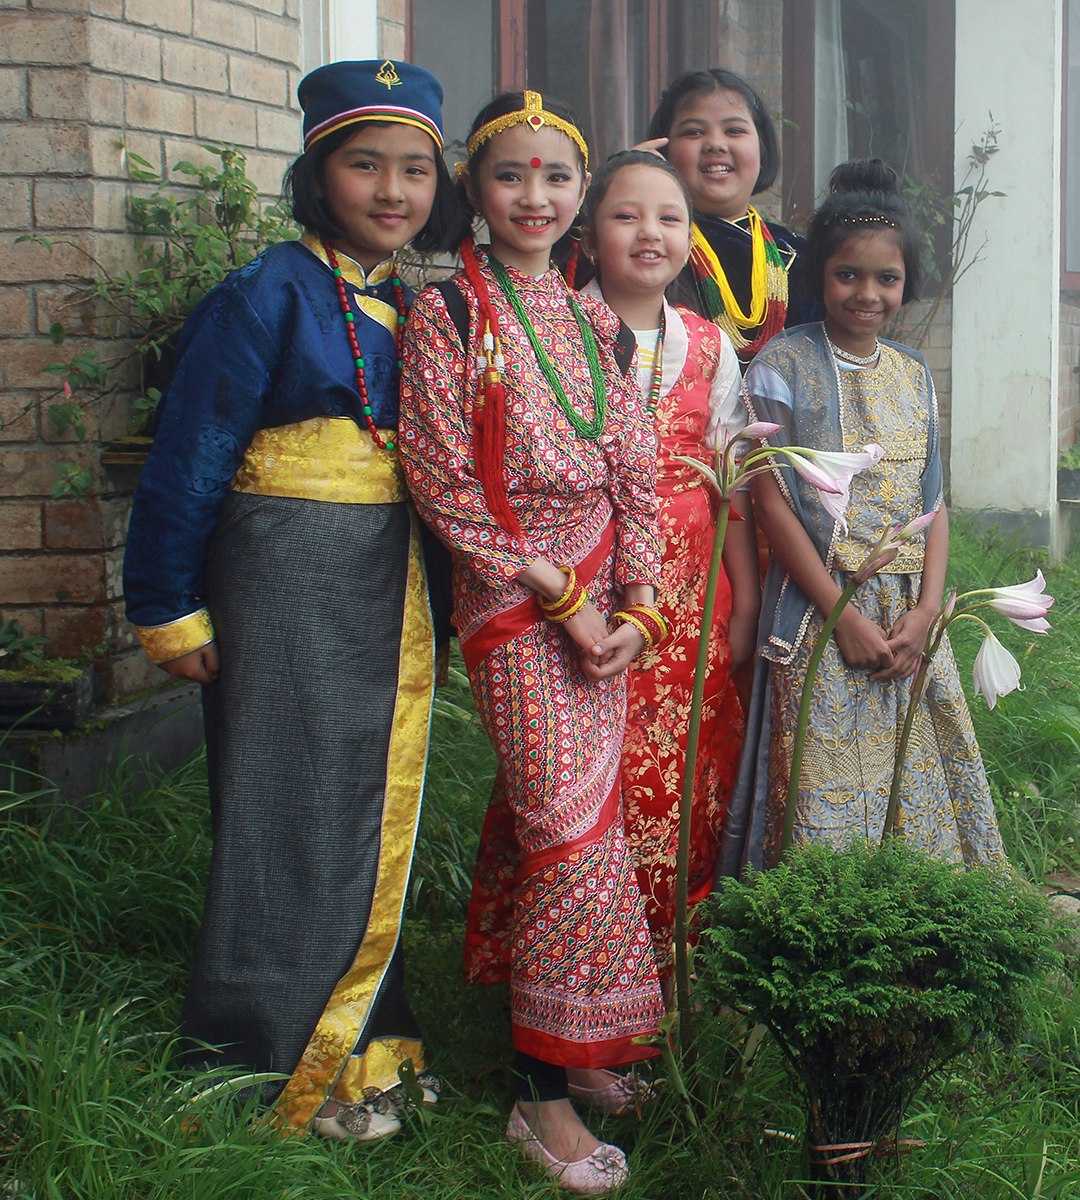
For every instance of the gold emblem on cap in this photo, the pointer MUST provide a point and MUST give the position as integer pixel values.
(387, 74)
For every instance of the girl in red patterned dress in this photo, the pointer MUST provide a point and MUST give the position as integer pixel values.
(636, 230)
(524, 444)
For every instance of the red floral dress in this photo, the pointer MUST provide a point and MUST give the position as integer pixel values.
(554, 857)
(699, 391)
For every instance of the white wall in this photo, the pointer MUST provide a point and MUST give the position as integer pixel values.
(1005, 313)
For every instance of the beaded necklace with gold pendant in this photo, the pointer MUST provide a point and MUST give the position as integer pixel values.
(354, 344)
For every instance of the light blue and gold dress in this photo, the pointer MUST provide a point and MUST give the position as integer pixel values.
(855, 722)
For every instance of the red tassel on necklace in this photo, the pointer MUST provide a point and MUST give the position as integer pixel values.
(489, 410)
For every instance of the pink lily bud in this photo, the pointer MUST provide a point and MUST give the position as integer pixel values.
(758, 430)
(996, 672)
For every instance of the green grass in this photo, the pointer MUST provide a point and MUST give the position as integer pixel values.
(98, 919)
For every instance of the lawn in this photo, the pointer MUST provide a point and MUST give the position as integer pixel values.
(97, 921)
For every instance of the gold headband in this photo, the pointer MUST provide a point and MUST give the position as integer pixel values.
(533, 115)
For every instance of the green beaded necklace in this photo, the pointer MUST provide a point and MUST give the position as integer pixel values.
(586, 429)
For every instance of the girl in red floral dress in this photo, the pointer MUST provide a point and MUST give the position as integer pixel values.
(523, 439)
(636, 230)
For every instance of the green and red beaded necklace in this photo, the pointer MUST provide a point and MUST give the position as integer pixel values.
(354, 344)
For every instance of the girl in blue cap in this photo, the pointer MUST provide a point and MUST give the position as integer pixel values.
(274, 558)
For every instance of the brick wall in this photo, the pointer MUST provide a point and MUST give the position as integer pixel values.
(80, 81)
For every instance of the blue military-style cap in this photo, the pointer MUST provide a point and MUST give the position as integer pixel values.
(343, 93)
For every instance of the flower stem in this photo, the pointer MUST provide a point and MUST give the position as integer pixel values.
(682, 867)
(812, 665)
(933, 641)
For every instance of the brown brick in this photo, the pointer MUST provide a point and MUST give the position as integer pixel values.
(42, 38)
(109, 148)
(12, 93)
(73, 524)
(107, 8)
(225, 120)
(115, 47)
(279, 40)
(251, 79)
(392, 10)
(64, 151)
(25, 360)
(31, 620)
(14, 311)
(19, 413)
(28, 261)
(161, 108)
(106, 99)
(75, 632)
(63, 204)
(266, 172)
(56, 304)
(174, 16)
(33, 472)
(20, 526)
(224, 24)
(58, 95)
(15, 204)
(51, 578)
(75, 6)
(194, 65)
(278, 131)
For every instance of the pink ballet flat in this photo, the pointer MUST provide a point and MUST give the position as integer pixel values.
(597, 1175)
(623, 1093)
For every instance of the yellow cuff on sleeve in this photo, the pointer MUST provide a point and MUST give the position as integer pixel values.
(163, 643)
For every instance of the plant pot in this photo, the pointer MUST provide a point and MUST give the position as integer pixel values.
(1068, 483)
(46, 704)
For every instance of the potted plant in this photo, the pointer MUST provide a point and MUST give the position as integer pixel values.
(38, 692)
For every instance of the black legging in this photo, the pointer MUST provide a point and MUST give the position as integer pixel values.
(538, 1080)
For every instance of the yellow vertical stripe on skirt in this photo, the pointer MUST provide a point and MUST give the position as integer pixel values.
(347, 1011)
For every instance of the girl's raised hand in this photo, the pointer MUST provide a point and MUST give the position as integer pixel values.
(862, 643)
(201, 666)
(653, 145)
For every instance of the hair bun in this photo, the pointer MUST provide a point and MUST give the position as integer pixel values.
(865, 175)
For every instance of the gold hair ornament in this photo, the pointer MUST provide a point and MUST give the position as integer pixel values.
(536, 117)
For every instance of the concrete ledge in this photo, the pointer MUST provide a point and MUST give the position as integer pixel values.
(160, 729)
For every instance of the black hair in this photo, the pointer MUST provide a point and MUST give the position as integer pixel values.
(304, 194)
(598, 189)
(716, 79)
(501, 106)
(864, 196)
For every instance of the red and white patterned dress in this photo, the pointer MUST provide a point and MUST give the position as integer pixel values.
(583, 980)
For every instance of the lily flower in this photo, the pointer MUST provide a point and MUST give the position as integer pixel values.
(1025, 604)
(889, 544)
(831, 473)
(996, 672)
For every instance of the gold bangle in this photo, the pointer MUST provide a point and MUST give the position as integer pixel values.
(550, 606)
(627, 618)
(564, 614)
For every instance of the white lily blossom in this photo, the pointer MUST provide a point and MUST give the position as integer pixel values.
(996, 671)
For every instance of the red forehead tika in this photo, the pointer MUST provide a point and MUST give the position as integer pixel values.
(535, 162)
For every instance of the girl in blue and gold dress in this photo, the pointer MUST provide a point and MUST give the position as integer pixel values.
(274, 558)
